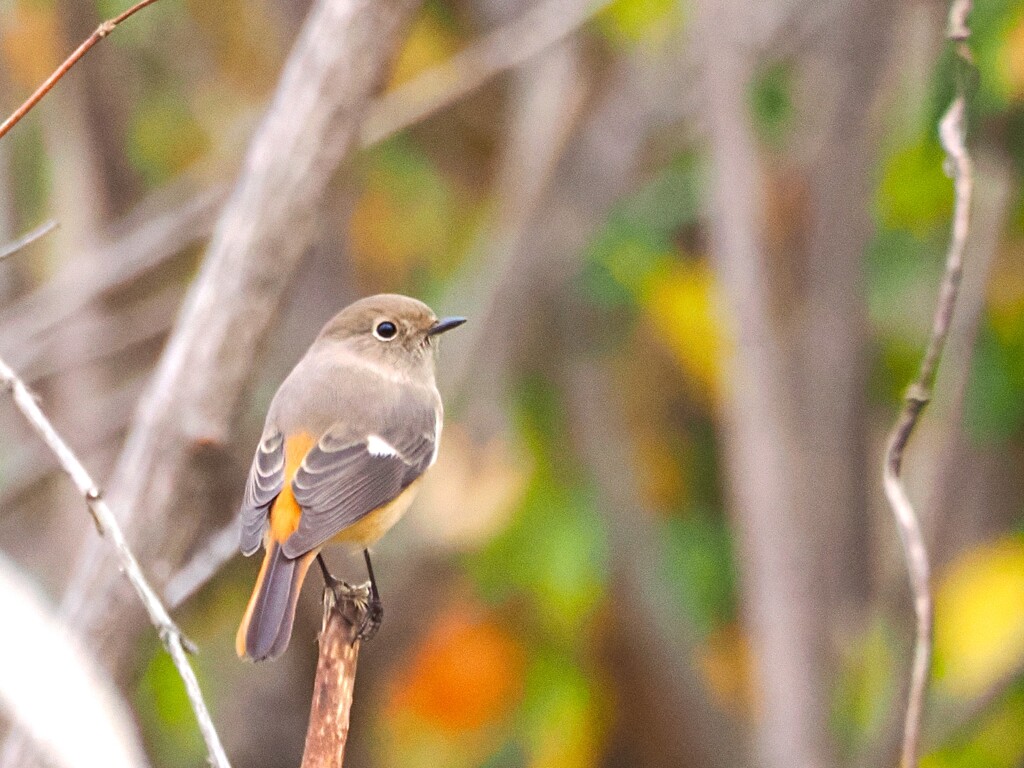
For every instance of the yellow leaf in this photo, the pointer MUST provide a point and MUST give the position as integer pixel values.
(630, 22)
(428, 44)
(979, 618)
(681, 302)
(1009, 62)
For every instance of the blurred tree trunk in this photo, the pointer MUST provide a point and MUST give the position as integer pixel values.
(790, 262)
(761, 433)
(836, 102)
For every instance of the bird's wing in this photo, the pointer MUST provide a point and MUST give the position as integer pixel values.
(266, 479)
(349, 472)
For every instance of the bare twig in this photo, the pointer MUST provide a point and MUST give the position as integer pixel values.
(203, 565)
(951, 134)
(26, 240)
(506, 47)
(108, 527)
(141, 246)
(335, 681)
(952, 513)
(102, 31)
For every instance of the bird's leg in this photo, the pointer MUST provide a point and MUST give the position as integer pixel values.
(374, 607)
(335, 585)
(365, 597)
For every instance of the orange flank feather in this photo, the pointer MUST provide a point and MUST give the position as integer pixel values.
(285, 512)
(267, 623)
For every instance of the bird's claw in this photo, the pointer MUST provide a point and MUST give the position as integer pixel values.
(368, 607)
(373, 616)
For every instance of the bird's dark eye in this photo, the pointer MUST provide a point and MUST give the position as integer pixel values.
(385, 331)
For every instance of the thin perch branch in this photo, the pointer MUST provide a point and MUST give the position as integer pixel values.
(102, 31)
(107, 525)
(951, 134)
(335, 680)
(26, 240)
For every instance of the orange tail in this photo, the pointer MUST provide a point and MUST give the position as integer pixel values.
(267, 624)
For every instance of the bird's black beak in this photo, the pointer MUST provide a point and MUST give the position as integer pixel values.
(445, 324)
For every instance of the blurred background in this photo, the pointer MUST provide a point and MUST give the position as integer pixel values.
(700, 246)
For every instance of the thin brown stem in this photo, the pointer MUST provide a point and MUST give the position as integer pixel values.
(101, 32)
(108, 527)
(952, 136)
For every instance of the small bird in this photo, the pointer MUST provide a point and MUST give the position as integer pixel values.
(347, 439)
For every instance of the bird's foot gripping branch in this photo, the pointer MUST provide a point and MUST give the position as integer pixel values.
(367, 610)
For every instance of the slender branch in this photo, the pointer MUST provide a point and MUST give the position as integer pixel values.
(26, 240)
(507, 47)
(107, 525)
(203, 565)
(335, 681)
(951, 134)
(144, 241)
(101, 32)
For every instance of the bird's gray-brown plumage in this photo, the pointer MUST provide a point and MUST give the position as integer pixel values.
(347, 436)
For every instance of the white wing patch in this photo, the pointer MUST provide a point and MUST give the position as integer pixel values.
(378, 446)
(438, 423)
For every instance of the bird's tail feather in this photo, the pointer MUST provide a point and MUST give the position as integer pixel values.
(267, 624)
